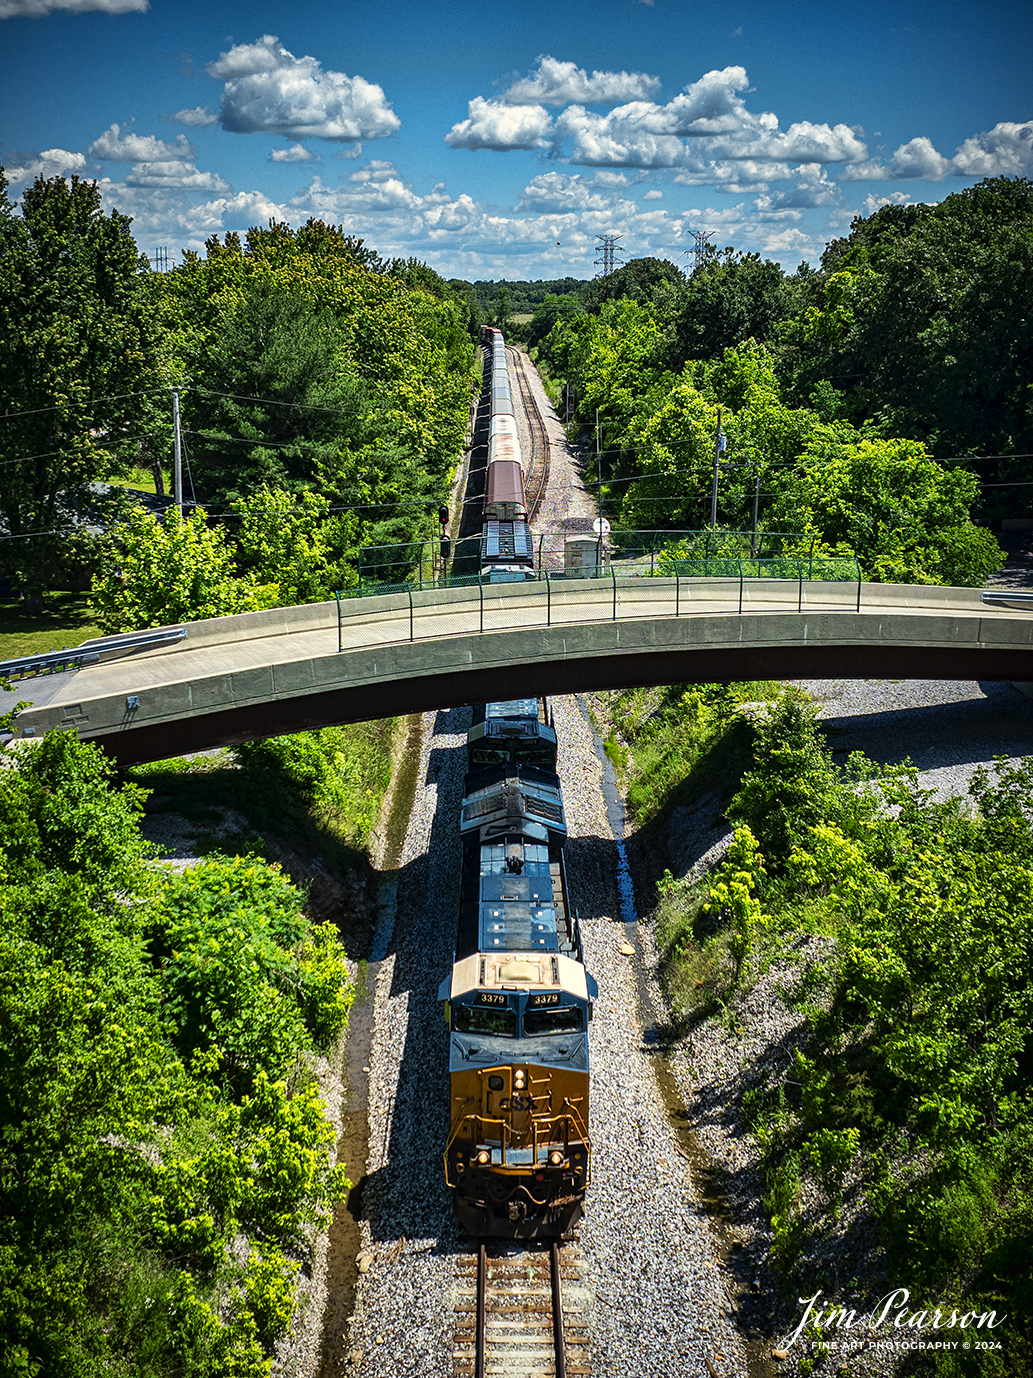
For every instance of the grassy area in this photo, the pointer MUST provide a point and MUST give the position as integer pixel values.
(66, 622)
(658, 737)
(309, 797)
(143, 479)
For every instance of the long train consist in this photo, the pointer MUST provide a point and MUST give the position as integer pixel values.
(518, 1000)
(507, 552)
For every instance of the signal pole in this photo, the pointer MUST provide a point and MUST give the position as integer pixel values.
(598, 461)
(720, 441)
(177, 446)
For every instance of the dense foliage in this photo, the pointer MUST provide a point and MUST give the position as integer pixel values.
(910, 1087)
(164, 1142)
(309, 368)
(838, 386)
(78, 347)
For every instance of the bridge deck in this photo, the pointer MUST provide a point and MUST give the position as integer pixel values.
(257, 674)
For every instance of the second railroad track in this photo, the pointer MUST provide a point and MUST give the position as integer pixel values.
(537, 475)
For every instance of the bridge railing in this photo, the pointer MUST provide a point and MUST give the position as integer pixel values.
(717, 586)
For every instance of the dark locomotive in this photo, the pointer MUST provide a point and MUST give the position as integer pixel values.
(518, 1001)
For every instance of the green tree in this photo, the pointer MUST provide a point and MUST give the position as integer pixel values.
(904, 516)
(176, 569)
(731, 298)
(554, 308)
(922, 322)
(642, 280)
(79, 368)
(291, 541)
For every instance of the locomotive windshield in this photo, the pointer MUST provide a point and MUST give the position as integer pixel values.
(485, 1019)
(553, 1020)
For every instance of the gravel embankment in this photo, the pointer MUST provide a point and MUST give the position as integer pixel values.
(659, 1299)
(948, 729)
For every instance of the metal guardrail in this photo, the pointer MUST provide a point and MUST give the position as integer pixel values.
(89, 653)
(993, 596)
(727, 586)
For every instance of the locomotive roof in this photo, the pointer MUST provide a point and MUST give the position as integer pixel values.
(518, 971)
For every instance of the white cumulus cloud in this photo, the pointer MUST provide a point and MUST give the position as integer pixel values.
(872, 203)
(269, 90)
(36, 9)
(175, 176)
(708, 121)
(116, 147)
(295, 154)
(561, 191)
(560, 83)
(53, 162)
(708, 106)
(655, 194)
(493, 124)
(811, 187)
(1004, 151)
(196, 116)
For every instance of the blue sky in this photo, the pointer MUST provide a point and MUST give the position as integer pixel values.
(499, 140)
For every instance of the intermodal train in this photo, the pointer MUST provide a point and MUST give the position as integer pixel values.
(518, 1000)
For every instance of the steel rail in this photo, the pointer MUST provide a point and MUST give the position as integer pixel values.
(557, 1313)
(482, 1289)
(538, 466)
(501, 1288)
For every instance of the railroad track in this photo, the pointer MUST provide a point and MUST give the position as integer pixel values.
(521, 1312)
(538, 461)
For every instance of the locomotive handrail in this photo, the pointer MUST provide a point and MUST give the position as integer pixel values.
(566, 1116)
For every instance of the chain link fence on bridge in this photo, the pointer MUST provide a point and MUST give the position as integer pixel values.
(431, 564)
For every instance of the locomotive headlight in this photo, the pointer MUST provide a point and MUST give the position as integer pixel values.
(484, 1157)
(556, 1158)
(518, 1080)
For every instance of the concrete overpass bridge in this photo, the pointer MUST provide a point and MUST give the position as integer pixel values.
(235, 679)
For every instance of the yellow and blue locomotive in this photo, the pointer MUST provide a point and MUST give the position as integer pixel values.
(518, 1000)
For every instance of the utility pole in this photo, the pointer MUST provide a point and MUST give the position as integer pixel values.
(608, 250)
(720, 441)
(177, 446)
(756, 503)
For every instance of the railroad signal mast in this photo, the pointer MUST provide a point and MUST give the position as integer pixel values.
(609, 251)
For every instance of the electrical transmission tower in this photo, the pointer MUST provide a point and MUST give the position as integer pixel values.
(161, 260)
(608, 250)
(699, 252)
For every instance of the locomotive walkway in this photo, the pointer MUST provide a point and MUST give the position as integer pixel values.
(235, 679)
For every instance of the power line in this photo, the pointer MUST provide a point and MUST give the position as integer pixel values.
(108, 397)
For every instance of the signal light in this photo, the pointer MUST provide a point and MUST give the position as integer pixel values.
(555, 1157)
(484, 1157)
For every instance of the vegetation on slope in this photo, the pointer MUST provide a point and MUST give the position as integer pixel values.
(165, 1143)
(910, 1088)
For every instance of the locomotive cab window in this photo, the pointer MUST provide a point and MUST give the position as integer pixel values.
(498, 1020)
(553, 1019)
